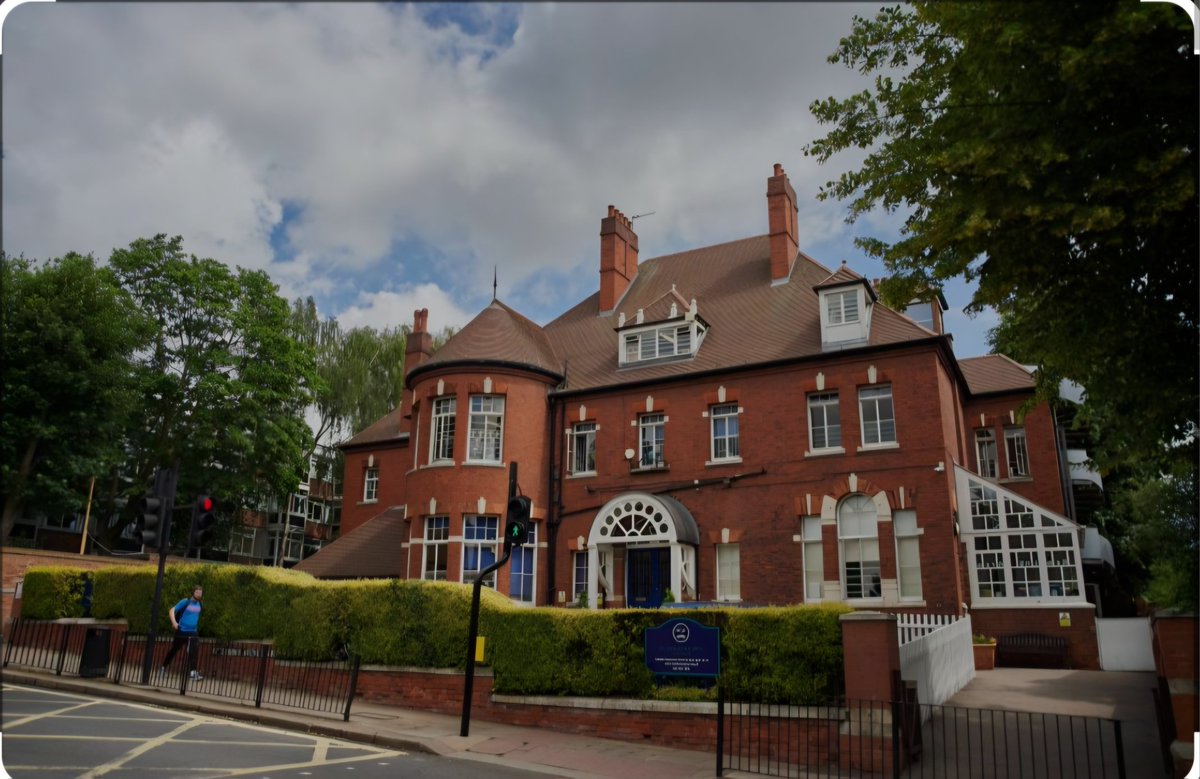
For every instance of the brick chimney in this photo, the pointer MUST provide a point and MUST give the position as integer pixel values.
(781, 218)
(419, 346)
(618, 258)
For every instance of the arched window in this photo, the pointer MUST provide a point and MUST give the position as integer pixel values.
(858, 536)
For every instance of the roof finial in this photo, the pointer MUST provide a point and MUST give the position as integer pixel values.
(494, 277)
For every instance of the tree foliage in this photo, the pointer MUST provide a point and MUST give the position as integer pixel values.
(224, 382)
(69, 332)
(1048, 152)
(361, 370)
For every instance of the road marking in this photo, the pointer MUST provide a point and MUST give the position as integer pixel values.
(345, 761)
(55, 713)
(146, 747)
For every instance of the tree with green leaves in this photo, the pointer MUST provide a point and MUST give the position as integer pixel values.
(1046, 151)
(361, 370)
(70, 332)
(224, 382)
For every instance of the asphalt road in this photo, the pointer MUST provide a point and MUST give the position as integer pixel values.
(54, 735)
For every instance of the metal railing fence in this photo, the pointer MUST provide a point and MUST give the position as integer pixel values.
(242, 670)
(907, 740)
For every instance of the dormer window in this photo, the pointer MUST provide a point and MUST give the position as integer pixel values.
(845, 313)
(662, 342)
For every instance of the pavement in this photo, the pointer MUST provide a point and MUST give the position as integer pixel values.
(1126, 696)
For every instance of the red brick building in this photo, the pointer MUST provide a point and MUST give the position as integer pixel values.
(732, 423)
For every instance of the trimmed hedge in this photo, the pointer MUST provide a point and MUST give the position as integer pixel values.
(776, 654)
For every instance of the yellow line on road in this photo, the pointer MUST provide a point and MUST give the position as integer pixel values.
(312, 764)
(144, 748)
(43, 715)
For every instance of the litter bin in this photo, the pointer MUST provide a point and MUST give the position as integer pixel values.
(94, 661)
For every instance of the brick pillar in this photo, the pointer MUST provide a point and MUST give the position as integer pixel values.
(871, 658)
(1175, 647)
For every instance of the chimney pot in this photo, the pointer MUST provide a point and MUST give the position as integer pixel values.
(778, 169)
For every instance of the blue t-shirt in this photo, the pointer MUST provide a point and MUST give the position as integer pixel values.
(189, 621)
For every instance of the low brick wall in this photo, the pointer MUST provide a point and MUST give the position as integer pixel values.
(1084, 651)
(1176, 638)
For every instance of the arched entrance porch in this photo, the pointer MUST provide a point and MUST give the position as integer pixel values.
(659, 538)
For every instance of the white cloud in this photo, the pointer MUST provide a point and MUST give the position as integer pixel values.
(395, 308)
(124, 120)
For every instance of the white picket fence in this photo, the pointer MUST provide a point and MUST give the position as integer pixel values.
(935, 652)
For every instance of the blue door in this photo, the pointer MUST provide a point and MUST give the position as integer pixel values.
(649, 574)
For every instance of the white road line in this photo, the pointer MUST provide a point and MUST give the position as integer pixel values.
(289, 766)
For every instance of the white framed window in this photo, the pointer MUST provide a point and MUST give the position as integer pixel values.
(441, 440)
(316, 511)
(858, 534)
(1061, 571)
(908, 553)
(523, 569)
(1018, 552)
(652, 434)
(729, 572)
(824, 421)
(878, 418)
(1017, 452)
(436, 548)
(581, 445)
(921, 313)
(241, 541)
(814, 560)
(581, 574)
(663, 342)
(485, 430)
(371, 485)
(724, 425)
(985, 453)
(298, 504)
(842, 307)
(480, 535)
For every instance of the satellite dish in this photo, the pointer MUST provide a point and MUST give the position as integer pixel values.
(629, 454)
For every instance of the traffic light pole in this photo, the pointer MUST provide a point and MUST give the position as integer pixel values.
(473, 629)
(164, 486)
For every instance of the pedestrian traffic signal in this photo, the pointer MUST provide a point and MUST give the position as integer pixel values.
(516, 531)
(150, 519)
(202, 520)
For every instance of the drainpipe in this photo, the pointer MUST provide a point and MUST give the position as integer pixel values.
(553, 507)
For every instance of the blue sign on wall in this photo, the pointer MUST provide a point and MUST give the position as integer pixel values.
(683, 647)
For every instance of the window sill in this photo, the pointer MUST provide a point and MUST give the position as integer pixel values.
(581, 475)
(439, 464)
(825, 452)
(1014, 480)
(483, 463)
(364, 503)
(651, 469)
(725, 461)
(879, 447)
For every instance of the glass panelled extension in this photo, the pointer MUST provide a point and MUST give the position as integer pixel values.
(1019, 554)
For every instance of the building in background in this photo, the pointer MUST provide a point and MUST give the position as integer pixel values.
(283, 535)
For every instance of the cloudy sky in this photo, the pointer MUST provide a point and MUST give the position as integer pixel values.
(383, 158)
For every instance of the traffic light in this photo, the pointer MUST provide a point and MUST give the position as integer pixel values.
(150, 519)
(202, 520)
(516, 531)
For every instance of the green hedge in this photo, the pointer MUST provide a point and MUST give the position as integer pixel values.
(778, 654)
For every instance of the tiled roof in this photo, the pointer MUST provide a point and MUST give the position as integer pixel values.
(372, 551)
(750, 320)
(498, 334)
(391, 426)
(995, 373)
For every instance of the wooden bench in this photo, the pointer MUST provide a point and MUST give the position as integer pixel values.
(1032, 650)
